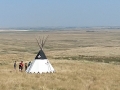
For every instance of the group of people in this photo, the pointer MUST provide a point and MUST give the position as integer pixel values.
(21, 65)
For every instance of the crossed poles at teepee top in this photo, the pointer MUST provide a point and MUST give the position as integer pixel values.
(41, 42)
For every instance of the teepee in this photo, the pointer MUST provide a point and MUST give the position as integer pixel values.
(40, 64)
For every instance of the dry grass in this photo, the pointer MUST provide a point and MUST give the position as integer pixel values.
(70, 53)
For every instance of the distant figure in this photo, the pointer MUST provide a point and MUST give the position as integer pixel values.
(29, 63)
(15, 65)
(21, 66)
(25, 66)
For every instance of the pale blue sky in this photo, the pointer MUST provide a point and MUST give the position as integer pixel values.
(41, 13)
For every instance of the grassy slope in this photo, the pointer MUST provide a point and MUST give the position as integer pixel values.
(71, 73)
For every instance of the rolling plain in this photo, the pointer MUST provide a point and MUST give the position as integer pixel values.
(83, 59)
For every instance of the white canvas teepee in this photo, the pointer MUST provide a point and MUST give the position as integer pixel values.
(40, 64)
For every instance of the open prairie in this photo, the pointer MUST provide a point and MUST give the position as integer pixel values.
(82, 59)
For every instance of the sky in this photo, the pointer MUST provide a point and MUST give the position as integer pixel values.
(59, 13)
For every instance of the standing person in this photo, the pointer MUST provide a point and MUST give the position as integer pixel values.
(25, 66)
(29, 63)
(15, 65)
(21, 66)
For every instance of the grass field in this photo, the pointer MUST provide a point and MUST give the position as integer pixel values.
(82, 59)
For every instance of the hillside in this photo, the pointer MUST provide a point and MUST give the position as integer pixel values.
(82, 60)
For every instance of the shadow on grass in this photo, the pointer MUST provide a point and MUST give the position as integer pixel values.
(91, 58)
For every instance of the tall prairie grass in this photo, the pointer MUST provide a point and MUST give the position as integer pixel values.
(73, 55)
(69, 75)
